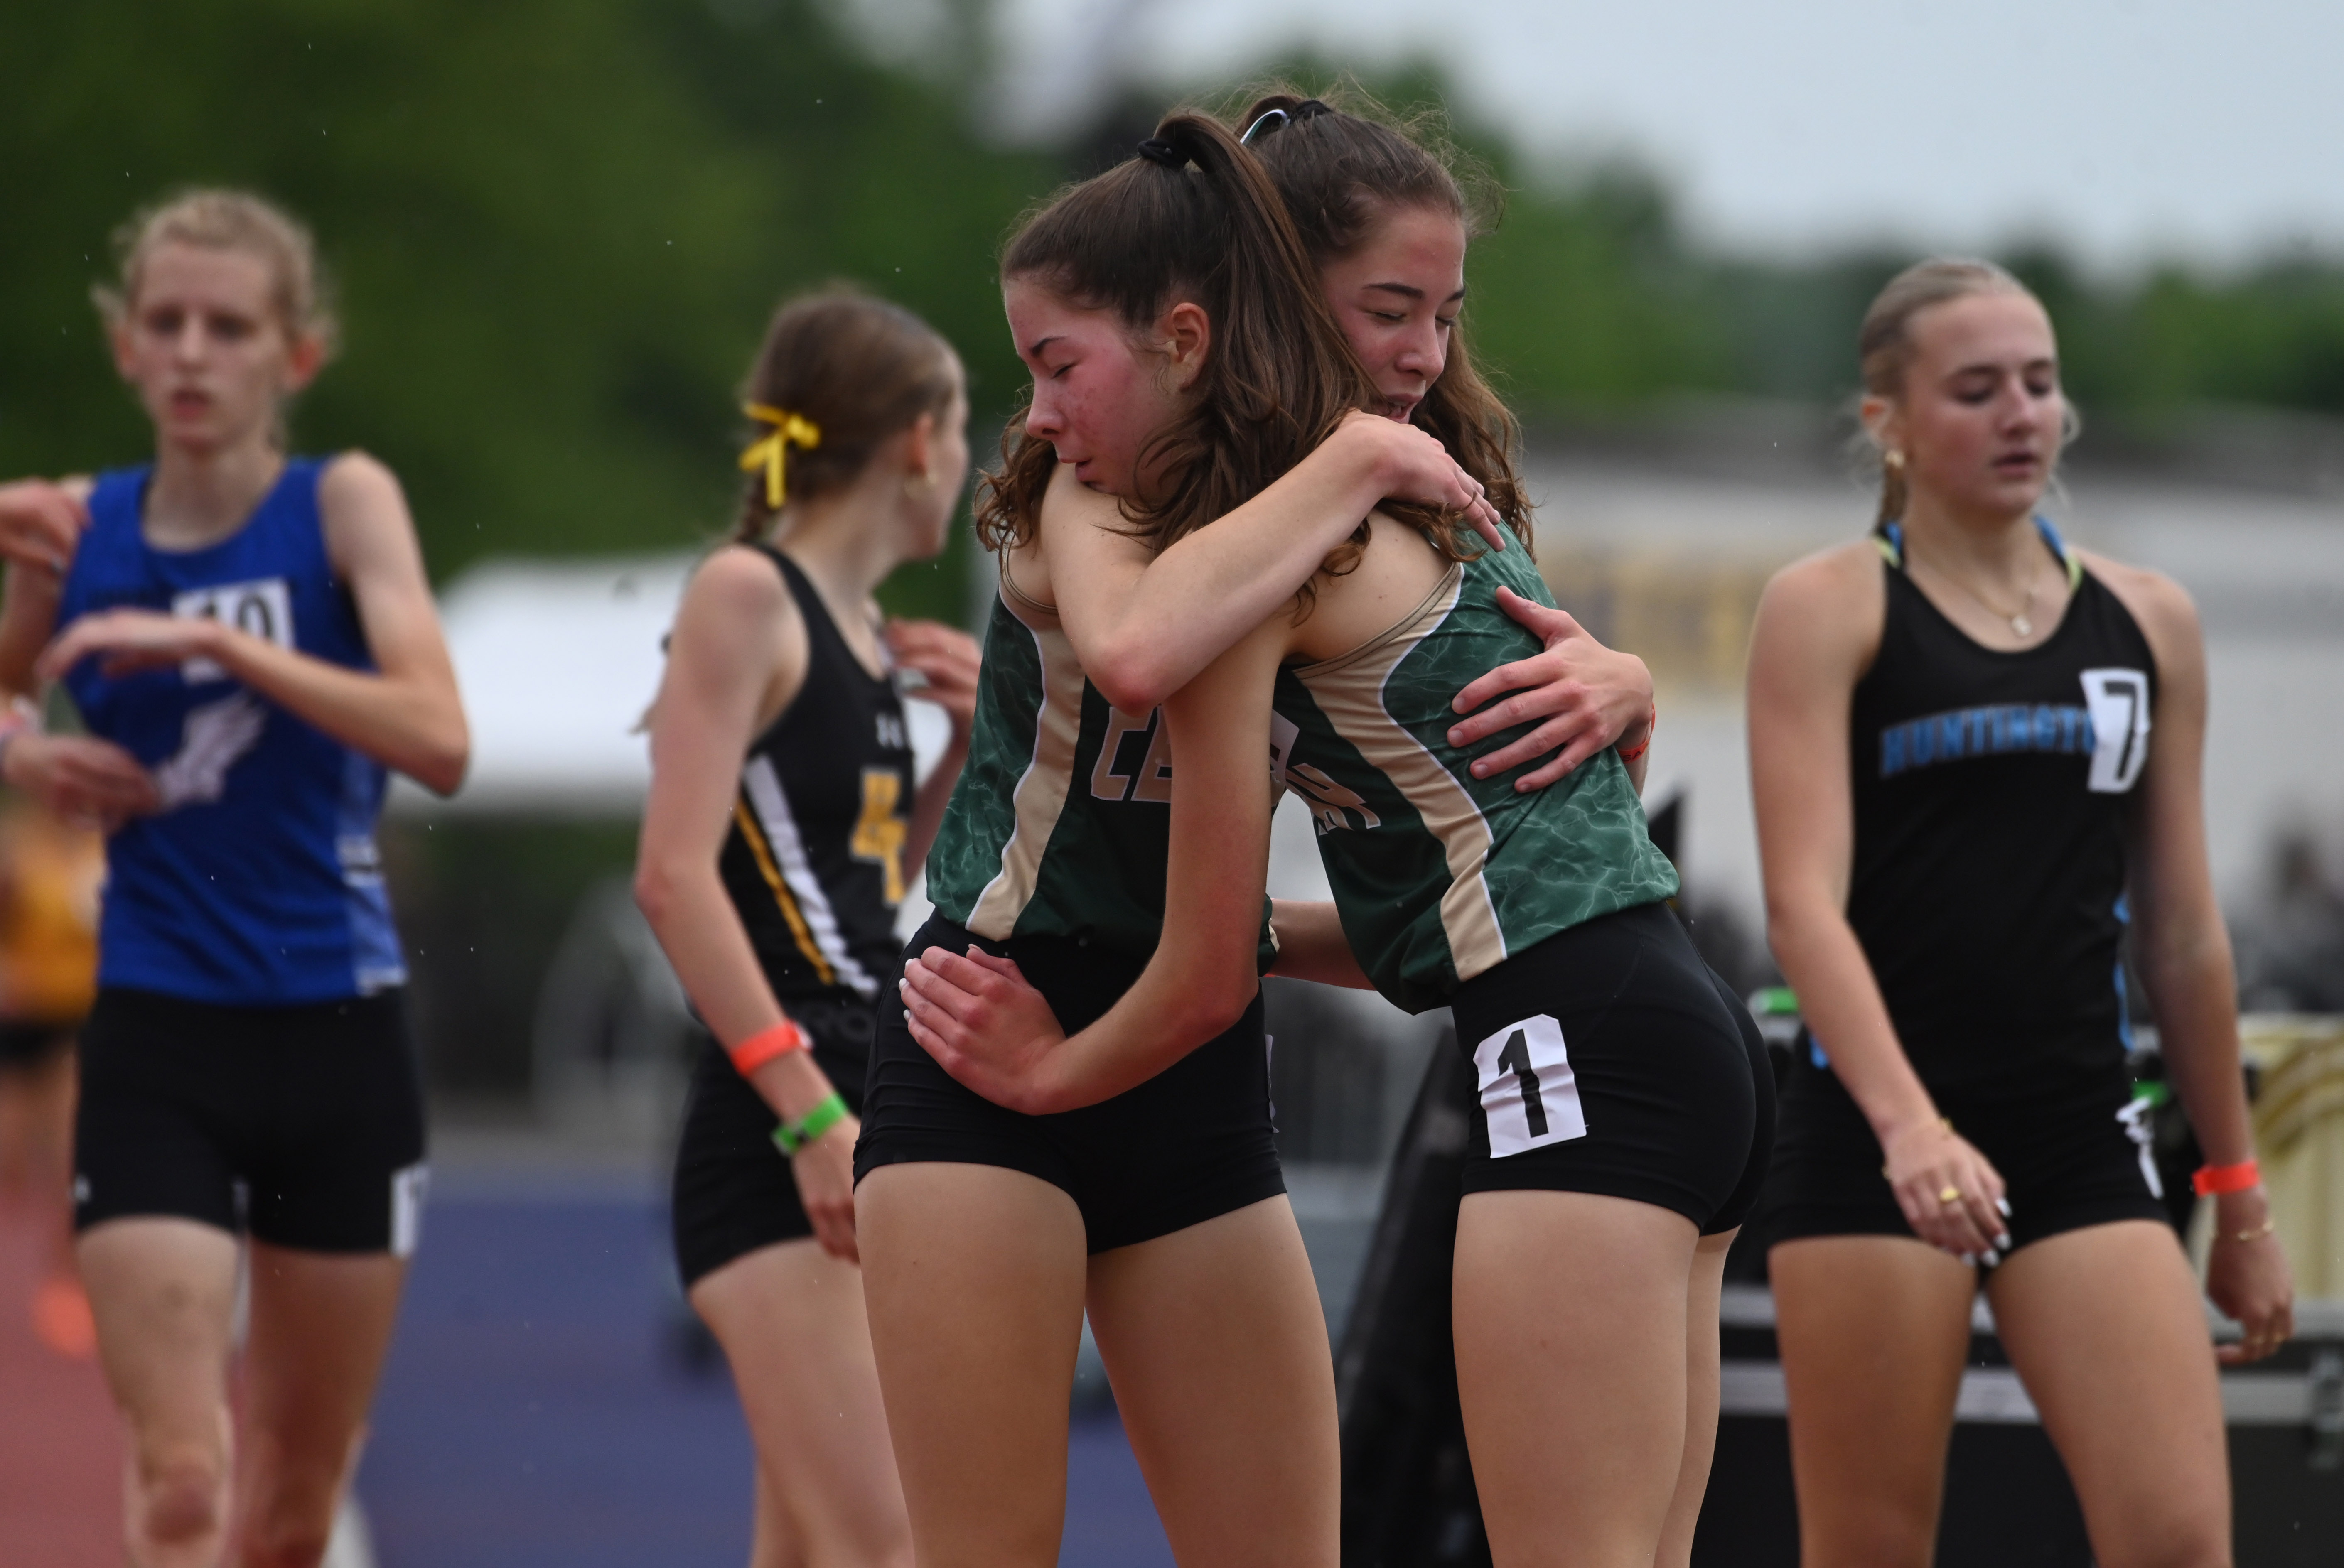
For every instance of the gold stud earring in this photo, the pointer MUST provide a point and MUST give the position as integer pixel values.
(1894, 460)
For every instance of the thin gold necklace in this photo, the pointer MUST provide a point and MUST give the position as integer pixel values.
(2021, 623)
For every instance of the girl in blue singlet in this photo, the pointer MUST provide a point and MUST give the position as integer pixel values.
(251, 642)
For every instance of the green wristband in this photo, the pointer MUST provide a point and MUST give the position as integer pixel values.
(825, 1116)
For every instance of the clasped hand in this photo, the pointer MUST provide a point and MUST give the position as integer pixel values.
(987, 1025)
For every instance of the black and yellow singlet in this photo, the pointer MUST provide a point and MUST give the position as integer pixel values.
(814, 860)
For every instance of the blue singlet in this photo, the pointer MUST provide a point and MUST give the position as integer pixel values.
(258, 882)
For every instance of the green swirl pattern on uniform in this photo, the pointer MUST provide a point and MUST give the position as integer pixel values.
(1439, 875)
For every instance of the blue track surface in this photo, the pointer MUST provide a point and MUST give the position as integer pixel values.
(537, 1412)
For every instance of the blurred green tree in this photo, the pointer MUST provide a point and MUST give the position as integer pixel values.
(558, 225)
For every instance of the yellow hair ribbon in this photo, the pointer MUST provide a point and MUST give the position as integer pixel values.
(768, 450)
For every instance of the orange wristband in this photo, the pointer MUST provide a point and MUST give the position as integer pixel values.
(766, 1044)
(1651, 723)
(2212, 1181)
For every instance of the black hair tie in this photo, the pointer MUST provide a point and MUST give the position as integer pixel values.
(1156, 150)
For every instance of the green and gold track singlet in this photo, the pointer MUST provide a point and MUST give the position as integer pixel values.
(1062, 820)
(1439, 875)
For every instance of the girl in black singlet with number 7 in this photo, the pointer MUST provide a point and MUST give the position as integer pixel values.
(1972, 748)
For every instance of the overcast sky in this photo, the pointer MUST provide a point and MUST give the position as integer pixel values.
(2125, 127)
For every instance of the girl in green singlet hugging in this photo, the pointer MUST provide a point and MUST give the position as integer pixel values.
(1616, 1142)
(1155, 1200)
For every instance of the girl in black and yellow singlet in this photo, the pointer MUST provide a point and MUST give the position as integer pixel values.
(776, 842)
(1974, 753)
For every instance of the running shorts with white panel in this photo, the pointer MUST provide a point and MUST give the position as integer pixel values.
(302, 1124)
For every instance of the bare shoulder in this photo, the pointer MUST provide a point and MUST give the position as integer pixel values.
(2167, 616)
(736, 584)
(1086, 532)
(369, 537)
(1069, 500)
(1843, 575)
(359, 483)
(1829, 605)
(1389, 580)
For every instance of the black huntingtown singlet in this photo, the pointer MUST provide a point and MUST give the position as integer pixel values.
(1992, 790)
(814, 860)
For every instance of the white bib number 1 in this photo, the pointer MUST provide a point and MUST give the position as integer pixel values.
(1528, 1090)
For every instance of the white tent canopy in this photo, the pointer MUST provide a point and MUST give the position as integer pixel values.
(557, 660)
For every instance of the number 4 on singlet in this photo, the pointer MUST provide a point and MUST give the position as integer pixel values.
(1528, 1090)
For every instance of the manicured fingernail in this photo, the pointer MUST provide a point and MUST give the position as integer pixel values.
(1991, 1259)
(2003, 1240)
(2004, 1205)
(1967, 1259)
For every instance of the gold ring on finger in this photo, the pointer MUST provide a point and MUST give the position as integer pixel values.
(1949, 1195)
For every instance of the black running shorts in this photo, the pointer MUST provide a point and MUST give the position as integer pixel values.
(2063, 1142)
(1611, 1061)
(303, 1124)
(1744, 1200)
(734, 1190)
(1190, 1144)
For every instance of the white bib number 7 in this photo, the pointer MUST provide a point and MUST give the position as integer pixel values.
(1528, 1090)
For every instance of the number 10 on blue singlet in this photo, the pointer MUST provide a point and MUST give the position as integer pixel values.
(1528, 1090)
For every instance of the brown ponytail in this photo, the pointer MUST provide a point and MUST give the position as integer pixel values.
(859, 370)
(1195, 218)
(1344, 164)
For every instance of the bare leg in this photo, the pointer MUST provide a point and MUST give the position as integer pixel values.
(1216, 1344)
(773, 1539)
(37, 1113)
(2104, 1327)
(974, 1278)
(321, 1325)
(791, 1321)
(1570, 1314)
(1707, 1286)
(1874, 1332)
(163, 1290)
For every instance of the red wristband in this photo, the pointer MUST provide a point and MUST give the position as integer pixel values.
(766, 1044)
(2212, 1181)
(1652, 722)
